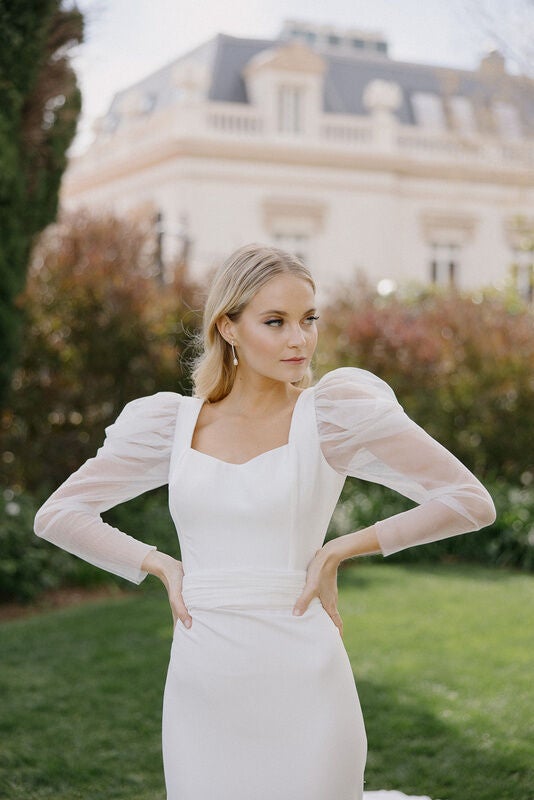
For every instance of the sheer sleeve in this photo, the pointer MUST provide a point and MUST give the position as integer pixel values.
(365, 433)
(133, 459)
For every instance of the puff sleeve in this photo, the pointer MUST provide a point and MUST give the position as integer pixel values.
(365, 433)
(133, 459)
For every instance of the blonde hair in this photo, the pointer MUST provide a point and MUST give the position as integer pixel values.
(234, 285)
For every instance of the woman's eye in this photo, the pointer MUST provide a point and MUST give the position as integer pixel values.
(310, 319)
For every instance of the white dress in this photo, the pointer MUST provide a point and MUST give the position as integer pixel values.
(260, 704)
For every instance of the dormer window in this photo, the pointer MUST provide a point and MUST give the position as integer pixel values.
(507, 120)
(290, 99)
(462, 114)
(428, 110)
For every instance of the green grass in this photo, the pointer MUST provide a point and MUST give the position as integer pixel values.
(440, 655)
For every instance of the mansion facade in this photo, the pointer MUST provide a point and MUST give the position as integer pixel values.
(319, 143)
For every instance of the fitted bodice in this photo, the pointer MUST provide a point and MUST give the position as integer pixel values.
(269, 512)
(272, 510)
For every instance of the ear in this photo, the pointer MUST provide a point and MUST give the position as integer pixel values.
(225, 327)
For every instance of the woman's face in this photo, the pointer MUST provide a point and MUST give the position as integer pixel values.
(278, 324)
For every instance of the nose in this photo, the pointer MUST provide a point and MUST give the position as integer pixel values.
(296, 336)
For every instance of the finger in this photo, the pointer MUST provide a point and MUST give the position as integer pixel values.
(180, 611)
(302, 603)
(338, 622)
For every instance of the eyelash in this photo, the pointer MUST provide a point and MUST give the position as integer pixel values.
(268, 322)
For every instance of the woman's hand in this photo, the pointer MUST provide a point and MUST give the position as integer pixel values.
(170, 571)
(321, 582)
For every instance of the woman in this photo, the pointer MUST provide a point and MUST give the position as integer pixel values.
(260, 701)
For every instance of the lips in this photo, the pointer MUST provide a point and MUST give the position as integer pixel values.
(294, 360)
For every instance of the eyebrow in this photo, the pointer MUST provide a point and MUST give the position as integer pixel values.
(284, 313)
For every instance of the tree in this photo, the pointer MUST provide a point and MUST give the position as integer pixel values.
(39, 107)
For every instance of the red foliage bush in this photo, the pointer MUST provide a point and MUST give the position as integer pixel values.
(461, 364)
(101, 329)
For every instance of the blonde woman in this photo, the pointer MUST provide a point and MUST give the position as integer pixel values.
(260, 701)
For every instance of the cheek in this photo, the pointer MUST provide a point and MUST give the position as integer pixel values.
(261, 339)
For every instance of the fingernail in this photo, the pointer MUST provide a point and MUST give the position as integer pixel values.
(297, 612)
(187, 623)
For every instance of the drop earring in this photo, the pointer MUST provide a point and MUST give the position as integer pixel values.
(236, 362)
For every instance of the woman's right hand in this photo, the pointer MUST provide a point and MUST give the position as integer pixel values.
(170, 571)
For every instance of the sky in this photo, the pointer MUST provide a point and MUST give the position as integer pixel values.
(126, 40)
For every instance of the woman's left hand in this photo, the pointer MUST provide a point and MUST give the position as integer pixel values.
(321, 582)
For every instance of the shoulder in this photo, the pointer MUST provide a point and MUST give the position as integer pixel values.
(346, 383)
(354, 406)
(356, 401)
(151, 415)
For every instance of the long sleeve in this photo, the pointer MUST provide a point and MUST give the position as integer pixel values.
(133, 459)
(365, 433)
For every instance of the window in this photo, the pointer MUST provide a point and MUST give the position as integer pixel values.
(296, 243)
(290, 109)
(507, 120)
(359, 43)
(444, 264)
(333, 39)
(428, 110)
(523, 273)
(462, 114)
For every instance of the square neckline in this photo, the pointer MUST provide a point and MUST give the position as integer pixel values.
(201, 401)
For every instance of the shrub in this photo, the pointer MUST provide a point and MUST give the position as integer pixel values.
(31, 565)
(28, 565)
(101, 330)
(509, 542)
(462, 365)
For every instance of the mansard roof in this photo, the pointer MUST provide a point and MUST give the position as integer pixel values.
(346, 75)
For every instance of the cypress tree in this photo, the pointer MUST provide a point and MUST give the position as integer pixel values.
(39, 107)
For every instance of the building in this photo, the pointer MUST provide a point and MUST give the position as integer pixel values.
(320, 143)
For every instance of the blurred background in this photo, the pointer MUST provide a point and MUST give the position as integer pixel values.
(389, 144)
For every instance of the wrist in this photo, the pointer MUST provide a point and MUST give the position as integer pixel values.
(159, 564)
(330, 553)
(350, 545)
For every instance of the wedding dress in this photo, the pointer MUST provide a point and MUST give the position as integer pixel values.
(260, 704)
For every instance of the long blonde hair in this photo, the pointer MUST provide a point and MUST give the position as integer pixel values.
(234, 285)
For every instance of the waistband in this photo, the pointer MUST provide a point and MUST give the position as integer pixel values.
(243, 588)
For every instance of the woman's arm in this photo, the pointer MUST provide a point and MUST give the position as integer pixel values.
(133, 459)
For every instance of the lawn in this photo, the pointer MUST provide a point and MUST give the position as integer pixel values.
(441, 656)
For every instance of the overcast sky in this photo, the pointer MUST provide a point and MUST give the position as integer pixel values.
(127, 39)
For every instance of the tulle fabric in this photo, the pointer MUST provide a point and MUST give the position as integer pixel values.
(133, 459)
(365, 433)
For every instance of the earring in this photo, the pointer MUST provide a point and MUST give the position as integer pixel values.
(236, 362)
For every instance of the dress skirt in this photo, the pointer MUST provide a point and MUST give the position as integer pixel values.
(259, 704)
